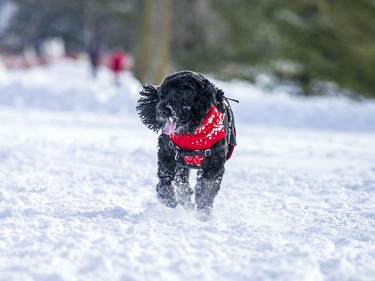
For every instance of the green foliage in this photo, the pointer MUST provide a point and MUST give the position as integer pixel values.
(333, 40)
(329, 40)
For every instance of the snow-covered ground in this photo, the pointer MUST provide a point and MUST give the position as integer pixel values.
(78, 170)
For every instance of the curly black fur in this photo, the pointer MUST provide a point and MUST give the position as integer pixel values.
(146, 107)
(183, 98)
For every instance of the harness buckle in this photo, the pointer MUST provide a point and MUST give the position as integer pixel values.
(170, 144)
(177, 152)
(207, 153)
(175, 148)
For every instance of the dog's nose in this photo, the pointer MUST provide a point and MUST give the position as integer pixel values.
(164, 112)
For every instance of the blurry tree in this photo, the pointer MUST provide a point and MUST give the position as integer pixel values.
(163, 39)
(333, 40)
(312, 39)
(225, 37)
(199, 35)
(153, 58)
(143, 53)
(79, 23)
(302, 41)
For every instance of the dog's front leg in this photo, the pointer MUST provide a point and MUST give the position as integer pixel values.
(208, 185)
(183, 190)
(166, 173)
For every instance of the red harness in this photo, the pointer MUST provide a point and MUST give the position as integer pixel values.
(210, 132)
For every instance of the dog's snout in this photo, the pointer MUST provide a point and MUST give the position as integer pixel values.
(164, 112)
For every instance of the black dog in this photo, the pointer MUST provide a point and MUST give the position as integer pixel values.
(198, 132)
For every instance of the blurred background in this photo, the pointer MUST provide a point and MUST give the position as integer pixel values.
(318, 47)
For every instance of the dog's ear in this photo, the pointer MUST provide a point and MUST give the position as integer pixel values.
(217, 94)
(210, 93)
(146, 107)
(203, 100)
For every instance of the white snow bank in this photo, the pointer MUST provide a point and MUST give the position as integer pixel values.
(258, 107)
(66, 85)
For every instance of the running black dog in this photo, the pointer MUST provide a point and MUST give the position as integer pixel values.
(197, 132)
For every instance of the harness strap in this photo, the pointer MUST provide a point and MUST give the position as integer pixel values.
(180, 152)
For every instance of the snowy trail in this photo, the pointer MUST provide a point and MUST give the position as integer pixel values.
(77, 200)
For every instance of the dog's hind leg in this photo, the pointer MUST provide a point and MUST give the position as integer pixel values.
(208, 185)
(183, 190)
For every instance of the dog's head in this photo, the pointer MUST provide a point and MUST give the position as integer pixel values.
(179, 104)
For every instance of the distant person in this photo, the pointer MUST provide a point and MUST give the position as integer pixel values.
(94, 55)
(117, 64)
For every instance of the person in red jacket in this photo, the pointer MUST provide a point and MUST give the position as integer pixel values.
(117, 64)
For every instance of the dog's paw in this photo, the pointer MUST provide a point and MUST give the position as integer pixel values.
(184, 199)
(168, 202)
(204, 214)
(165, 195)
(188, 206)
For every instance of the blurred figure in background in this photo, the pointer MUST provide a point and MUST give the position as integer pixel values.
(94, 56)
(117, 64)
